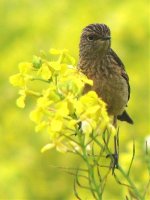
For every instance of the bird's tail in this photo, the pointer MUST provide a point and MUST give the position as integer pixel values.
(125, 117)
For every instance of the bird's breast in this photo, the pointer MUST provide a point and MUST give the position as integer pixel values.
(110, 86)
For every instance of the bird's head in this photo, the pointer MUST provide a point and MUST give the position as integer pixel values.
(95, 40)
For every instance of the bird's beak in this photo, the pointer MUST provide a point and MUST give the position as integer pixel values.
(106, 38)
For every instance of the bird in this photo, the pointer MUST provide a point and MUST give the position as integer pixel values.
(99, 62)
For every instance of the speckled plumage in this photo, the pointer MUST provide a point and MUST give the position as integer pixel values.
(101, 64)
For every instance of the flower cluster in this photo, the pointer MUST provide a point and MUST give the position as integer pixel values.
(61, 108)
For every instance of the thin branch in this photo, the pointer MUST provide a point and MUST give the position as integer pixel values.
(146, 145)
(93, 154)
(133, 195)
(93, 138)
(118, 145)
(101, 153)
(69, 168)
(105, 179)
(106, 144)
(127, 197)
(146, 188)
(71, 139)
(105, 166)
(109, 152)
(90, 155)
(119, 182)
(108, 135)
(99, 175)
(133, 155)
(80, 185)
(75, 190)
(40, 79)
(132, 185)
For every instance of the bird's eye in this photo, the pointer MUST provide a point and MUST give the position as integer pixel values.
(90, 37)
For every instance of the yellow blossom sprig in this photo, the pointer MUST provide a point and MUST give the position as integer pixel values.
(60, 105)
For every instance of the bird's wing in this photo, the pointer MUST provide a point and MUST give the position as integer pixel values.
(122, 68)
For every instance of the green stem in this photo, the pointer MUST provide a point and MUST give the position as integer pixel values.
(60, 60)
(95, 189)
(40, 79)
(94, 185)
(135, 190)
(31, 92)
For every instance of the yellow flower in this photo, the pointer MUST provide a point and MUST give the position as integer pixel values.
(86, 127)
(57, 144)
(36, 115)
(21, 101)
(56, 125)
(62, 108)
(41, 126)
(25, 67)
(17, 80)
(47, 147)
(111, 129)
(45, 72)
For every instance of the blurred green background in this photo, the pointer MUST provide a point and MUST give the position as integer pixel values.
(28, 26)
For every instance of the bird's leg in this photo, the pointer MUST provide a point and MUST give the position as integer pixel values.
(115, 155)
(115, 121)
(116, 146)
